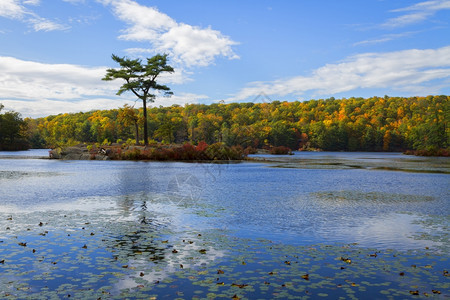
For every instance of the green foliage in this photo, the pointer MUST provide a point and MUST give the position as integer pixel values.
(12, 131)
(355, 124)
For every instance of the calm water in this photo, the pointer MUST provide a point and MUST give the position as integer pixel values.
(214, 213)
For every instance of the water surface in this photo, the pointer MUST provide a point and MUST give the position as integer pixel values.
(137, 228)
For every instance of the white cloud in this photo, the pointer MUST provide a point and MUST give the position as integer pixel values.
(41, 24)
(32, 2)
(31, 80)
(14, 9)
(417, 13)
(187, 45)
(11, 9)
(433, 5)
(423, 70)
(385, 38)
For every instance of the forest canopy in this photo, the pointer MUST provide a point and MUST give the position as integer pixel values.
(354, 124)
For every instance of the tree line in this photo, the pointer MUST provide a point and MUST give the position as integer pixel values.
(354, 124)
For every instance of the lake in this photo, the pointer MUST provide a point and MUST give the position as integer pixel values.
(314, 224)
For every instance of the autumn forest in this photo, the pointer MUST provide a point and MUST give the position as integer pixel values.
(354, 124)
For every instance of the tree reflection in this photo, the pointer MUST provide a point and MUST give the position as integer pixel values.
(140, 234)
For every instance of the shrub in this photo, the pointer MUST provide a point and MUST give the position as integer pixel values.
(187, 152)
(238, 152)
(130, 142)
(201, 146)
(132, 154)
(280, 150)
(429, 152)
(220, 151)
(250, 150)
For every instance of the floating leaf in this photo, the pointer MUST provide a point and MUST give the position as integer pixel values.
(239, 285)
(347, 260)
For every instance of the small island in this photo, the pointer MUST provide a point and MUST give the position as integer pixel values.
(157, 152)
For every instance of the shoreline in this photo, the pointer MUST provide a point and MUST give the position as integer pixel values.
(84, 152)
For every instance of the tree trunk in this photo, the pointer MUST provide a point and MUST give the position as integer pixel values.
(145, 122)
(136, 129)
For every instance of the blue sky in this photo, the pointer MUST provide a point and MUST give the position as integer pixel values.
(53, 54)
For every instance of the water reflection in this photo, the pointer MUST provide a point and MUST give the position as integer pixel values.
(250, 199)
(142, 241)
(32, 153)
(134, 235)
(395, 230)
